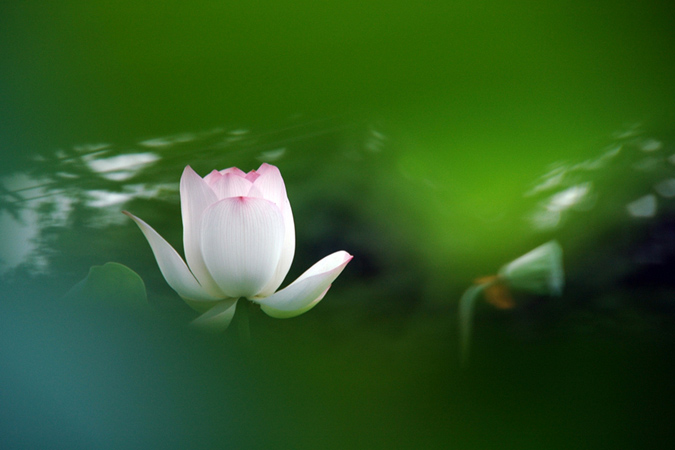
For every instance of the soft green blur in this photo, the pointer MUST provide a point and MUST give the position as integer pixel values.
(408, 134)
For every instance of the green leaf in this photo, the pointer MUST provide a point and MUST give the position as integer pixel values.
(111, 284)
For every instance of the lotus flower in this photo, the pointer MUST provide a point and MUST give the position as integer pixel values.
(239, 241)
(539, 271)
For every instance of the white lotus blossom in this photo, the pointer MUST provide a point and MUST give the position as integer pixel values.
(239, 241)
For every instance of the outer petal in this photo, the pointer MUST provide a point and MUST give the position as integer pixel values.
(212, 177)
(242, 239)
(195, 197)
(252, 176)
(287, 252)
(305, 292)
(271, 185)
(172, 266)
(217, 318)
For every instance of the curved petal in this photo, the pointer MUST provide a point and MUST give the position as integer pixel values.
(195, 197)
(252, 176)
(305, 292)
(231, 185)
(242, 238)
(271, 184)
(287, 252)
(212, 177)
(217, 318)
(215, 175)
(172, 266)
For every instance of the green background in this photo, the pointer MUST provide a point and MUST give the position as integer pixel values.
(407, 135)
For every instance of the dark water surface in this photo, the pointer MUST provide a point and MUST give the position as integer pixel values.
(434, 142)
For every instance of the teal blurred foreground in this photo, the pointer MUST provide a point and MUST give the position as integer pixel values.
(438, 143)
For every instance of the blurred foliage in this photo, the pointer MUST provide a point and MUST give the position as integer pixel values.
(412, 136)
(111, 285)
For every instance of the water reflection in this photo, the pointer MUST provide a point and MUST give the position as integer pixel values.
(120, 167)
(29, 203)
(627, 176)
(615, 214)
(559, 203)
(91, 177)
(643, 207)
(272, 155)
(666, 188)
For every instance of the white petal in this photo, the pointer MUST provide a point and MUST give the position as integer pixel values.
(172, 266)
(271, 184)
(217, 318)
(231, 185)
(305, 292)
(242, 239)
(234, 170)
(212, 177)
(287, 252)
(215, 175)
(252, 176)
(195, 197)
